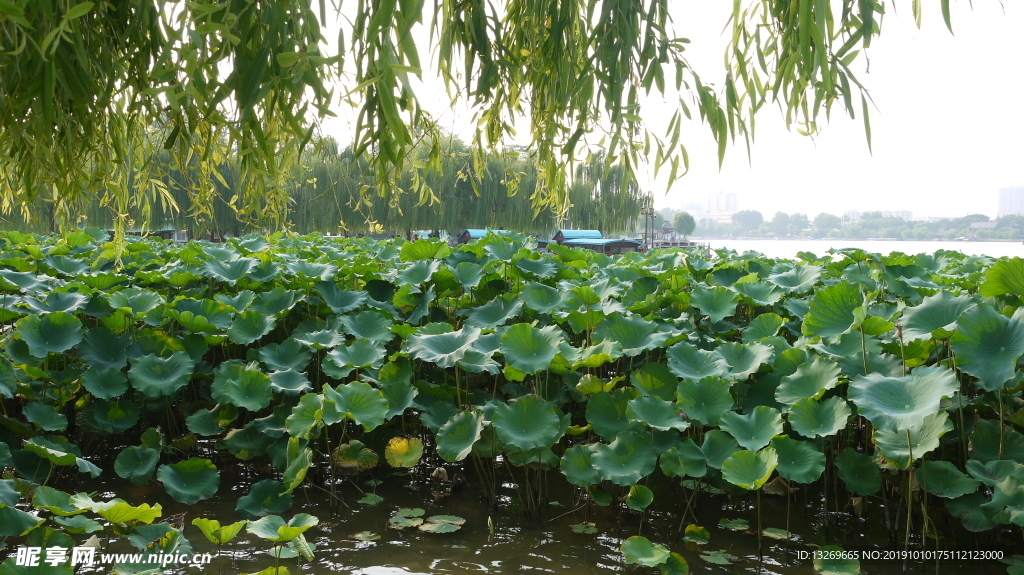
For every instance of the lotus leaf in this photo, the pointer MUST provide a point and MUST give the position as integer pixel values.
(357, 401)
(748, 469)
(969, 509)
(190, 481)
(442, 524)
(987, 345)
(137, 301)
(111, 416)
(360, 354)
(352, 457)
(902, 448)
(834, 310)
(276, 301)
(1007, 504)
(798, 279)
(812, 418)
(763, 326)
(900, 403)
(370, 325)
(528, 423)
(716, 302)
(217, 534)
(744, 359)
(212, 421)
(290, 382)
(753, 430)
(78, 524)
(406, 517)
(577, 465)
(53, 333)
(53, 500)
(161, 376)
(942, 478)
(444, 349)
(105, 383)
(403, 451)
(655, 379)
(102, 350)
(400, 396)
(655, 413)
(248, 442)
(633, 333)
(734, 524)
(1004, 277)
(685, 460)
(641, 551)
(45, 417)
(15, 522)
(939, 311)
(607, 412)
(987, 438)
(250, 326)
(995, 471)
(705, 400)
(528, 348)
(625, 460)
(265, 497)
(584, 528)
(136, 464)
(858, 472)
(494, 313)
(273, 527)
(541, 298)
(289, 354)
(799, 461)
(688, 362)
(242, 386)
(810, 380)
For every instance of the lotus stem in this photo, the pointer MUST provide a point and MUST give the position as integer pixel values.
(1001, 427)
(759, 552)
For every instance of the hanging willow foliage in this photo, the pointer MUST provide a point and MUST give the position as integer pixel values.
(102, 100)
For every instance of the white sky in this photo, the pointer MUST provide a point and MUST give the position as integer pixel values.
(947, 133)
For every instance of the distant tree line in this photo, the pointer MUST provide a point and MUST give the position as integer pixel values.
(328, 195)
(869, 225)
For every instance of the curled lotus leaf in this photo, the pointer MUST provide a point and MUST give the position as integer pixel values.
(606, 411)
(858, 472)
(444, 349)
(744, 359)
(158, 376)
(716, 302)
(633, 333)
(748, 469)
(900, 403)
(55, 332)
(812, 418)
(688, 362)
(988, 345)
(190, 481)
(530, 349)
(942, 478)
(810, 379)
(640, 551)
(528, 423)
(358, 401)
(578, 467)
(656, 413)
(705, 400)
(902, 448)
(834, 310)
(939, 311)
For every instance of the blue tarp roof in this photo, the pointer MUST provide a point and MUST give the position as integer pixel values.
(597, 242)
(576, 234)
(478, 233)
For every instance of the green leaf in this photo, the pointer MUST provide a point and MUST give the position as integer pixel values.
(53, 333)
(357, 401)
(939, 311)
(799, 279)
(190, 481)
(942, 478)
(799, 461)
(15, 522)
(753, 430)
(705, 400)
(53, 500)
(748, 469)
(812, 418)
(900, 403)
(242, 386)
(273, 527)
(696, 534)
(494, 313)
(444, 349)
(529, 349)
(250, 326)
(688, 362)
(442, 524)
(744, 359)
(633, 333)
(606, 412)
(987, 345)
(45, 417)
(289, 354)
(105, 383)
(655, 379)
(265, 497)
(763, 326)
(527, 423)
(809, 380)
(577, 465)
(1004, 277)
(136, 464)
(902, 448)
(639, 498)
(403, 451)
(217, 534)
(656, 413)
(716, 302)
(360, 354)
(858, 472)
(639, 550)
(158, 377)
(834, 311)
(626, 460)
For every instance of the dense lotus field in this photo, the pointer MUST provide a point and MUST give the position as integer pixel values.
(895, 374)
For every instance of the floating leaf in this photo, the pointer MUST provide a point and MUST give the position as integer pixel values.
(639, 498)
(442, 524)
(403, 451)
(641, 551)
(190, 481)
(696, 534)
(584, 528)
(734, 524)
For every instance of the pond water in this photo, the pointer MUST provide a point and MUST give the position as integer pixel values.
(789, 248)
(548, 544)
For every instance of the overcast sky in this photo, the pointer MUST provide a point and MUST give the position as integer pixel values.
(947, 133)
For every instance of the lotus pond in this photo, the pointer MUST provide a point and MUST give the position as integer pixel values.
(381, 407)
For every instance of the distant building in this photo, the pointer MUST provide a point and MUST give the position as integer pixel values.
(723, 202)
(475, 233)
(1011, 202)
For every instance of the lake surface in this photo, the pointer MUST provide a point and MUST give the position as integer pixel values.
(789, 248)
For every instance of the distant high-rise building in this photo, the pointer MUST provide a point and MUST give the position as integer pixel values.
(1011, 202)
(723, 202)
